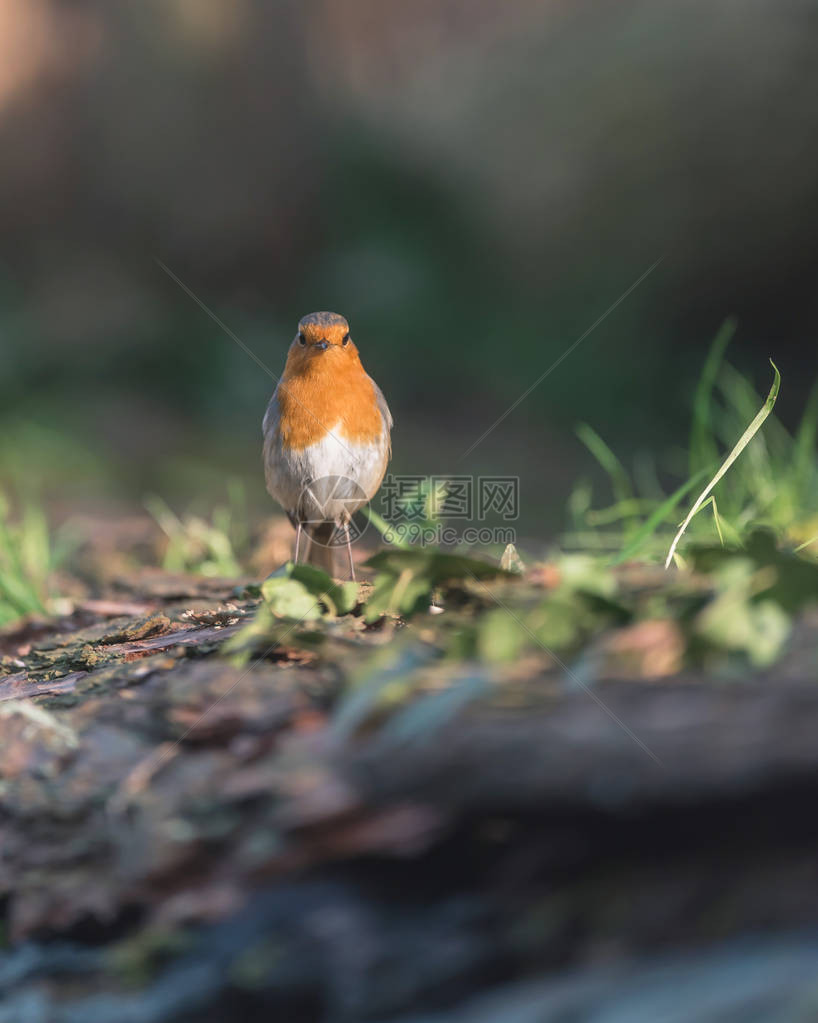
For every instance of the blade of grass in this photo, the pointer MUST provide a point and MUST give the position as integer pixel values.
(758, 473)
(645, 477)
(596, 540)
(655, 519)
(384, 528)
(617, 512)
(716, 517)
(804, 454)
(703, 449)
(739, 392)
(608, 460)
(579, 503)
(35, 545)
(743, 441)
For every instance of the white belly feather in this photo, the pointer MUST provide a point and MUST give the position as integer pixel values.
(326, 481)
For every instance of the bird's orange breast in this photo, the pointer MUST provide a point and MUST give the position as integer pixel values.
(326, 391)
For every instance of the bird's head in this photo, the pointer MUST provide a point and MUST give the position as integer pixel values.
(321, 336)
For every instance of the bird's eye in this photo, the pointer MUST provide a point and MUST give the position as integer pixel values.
(345, 340)
(301, 339)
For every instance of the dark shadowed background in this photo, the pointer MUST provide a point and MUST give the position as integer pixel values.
(472, 183)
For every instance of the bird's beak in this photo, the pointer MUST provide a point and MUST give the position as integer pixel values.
(321, 345)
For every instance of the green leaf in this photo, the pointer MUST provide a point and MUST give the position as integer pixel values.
(739, 622)
(434, 565)
(266, 631)
(254, 634)
(378, 602)
(347, 597)
(556, 623)
(793, 580)
(288, 598)
(405, 594)
(406, 578)
(587, 573)
(341, 598)
(500, 637)
(415, 595)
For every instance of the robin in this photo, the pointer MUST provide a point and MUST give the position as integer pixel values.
(326, 437)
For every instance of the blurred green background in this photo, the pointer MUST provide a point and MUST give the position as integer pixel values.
(471, 182)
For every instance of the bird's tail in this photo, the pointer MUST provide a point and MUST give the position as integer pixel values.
(321, 551)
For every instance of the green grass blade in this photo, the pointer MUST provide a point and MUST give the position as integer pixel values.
(35, 546)
(744, 440)
(703, 449)
(760, 472)
(716, 517)
(804, 454)
(385, 528)
(622, 510)
(608, 460)
(743, 397)
(657, 517)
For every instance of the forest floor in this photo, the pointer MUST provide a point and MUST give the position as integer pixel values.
(451, 793)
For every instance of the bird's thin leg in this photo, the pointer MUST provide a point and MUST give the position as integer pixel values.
(297, 541)
(349, 552)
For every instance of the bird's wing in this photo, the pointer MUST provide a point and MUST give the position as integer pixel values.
(383, 408)
(271, 416)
